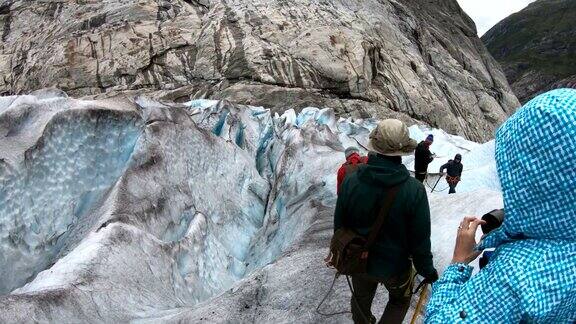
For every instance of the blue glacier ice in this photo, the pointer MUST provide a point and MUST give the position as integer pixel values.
(61, 178)
(129, 209)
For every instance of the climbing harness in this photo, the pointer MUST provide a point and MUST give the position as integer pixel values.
(452, 180)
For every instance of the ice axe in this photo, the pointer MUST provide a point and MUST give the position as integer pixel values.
(420, 303)
(437, 181)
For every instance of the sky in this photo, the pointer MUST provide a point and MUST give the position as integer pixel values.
(487, 13)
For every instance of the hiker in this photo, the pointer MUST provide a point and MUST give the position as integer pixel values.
(530, 276)
(423, 157)
(353, 160)
(404, 238)
(454, 171)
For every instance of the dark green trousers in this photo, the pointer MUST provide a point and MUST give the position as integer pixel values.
(399, 290)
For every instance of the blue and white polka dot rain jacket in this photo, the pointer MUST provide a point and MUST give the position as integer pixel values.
(531, 278)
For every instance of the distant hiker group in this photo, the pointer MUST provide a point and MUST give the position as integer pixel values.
(382, 225)
(422, 158)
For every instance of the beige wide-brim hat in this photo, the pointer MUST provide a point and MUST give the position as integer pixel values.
(391, 137)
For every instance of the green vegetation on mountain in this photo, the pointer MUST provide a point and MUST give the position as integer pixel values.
(537, 47)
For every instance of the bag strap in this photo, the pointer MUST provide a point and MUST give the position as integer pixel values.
(384, 211)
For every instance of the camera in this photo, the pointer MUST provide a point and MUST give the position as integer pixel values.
(493, 219)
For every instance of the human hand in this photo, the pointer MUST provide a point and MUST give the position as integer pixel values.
(466, 241)
(432, 277)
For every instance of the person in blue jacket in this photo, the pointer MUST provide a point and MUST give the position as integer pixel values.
(531, 276)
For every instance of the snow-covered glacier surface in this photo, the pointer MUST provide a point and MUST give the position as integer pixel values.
(128, 209)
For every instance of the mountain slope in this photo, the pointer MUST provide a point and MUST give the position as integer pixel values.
(537, 47)
(411, 59)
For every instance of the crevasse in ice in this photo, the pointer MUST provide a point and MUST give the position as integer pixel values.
(158, 206)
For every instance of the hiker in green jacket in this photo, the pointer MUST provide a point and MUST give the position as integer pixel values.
(404, 239)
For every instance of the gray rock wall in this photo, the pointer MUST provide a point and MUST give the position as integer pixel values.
(420, 61)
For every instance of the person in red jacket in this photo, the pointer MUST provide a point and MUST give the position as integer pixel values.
(353, 159)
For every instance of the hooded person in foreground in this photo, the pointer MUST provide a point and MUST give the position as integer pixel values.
(531, 276)
(404, 238)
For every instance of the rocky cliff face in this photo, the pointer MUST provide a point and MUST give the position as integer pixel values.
(411, 59)
(537, 47)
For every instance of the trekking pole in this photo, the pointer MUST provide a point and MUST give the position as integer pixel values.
(436, 184)
(364, 147)
(420, 303)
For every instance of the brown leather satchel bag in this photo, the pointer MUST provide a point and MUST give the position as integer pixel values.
(350, 250)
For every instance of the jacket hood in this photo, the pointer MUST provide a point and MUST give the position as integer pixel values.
(535, 158)
(350, 150)
(354, 158)
(383, 172)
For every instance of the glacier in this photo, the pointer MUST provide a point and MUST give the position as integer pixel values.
(131, 209)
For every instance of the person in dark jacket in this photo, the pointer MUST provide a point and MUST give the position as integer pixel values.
(404, 240)
(423, 157)
(454, 172)
(353, 160)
